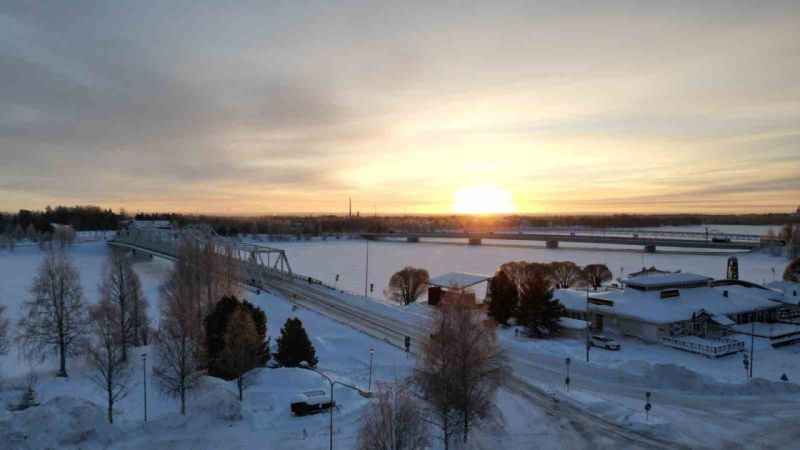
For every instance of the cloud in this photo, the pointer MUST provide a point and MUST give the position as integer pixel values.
(295, 105)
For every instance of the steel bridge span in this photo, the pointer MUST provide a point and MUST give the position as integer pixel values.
(258, 263)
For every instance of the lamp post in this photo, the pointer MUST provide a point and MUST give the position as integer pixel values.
(371, 355)
(144, 383)
(752, 342)
(588, 324)
(566, 380)
(366, 271)
(331, 381)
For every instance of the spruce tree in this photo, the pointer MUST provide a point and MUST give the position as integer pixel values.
(503, 298)
(294, 346)
(218, 325)
(538, 312)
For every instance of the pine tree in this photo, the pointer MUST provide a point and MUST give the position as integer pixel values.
(538, 312)
(503, 298)
(242, 349)
(294, 346)
(217, 325)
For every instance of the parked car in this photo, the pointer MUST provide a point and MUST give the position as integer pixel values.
(311, 402)
(604, 342)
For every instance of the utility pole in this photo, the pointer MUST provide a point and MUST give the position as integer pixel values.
(144, 384)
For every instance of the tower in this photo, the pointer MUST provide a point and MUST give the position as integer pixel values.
(349, 207)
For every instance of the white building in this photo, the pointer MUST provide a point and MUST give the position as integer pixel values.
(652, 307)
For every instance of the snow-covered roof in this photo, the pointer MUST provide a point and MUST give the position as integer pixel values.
(647, 271)
(649, 306)
(791, 291)
(150, 224)
(458, 280)
(667, 280)
(572, 299)
(572, 324)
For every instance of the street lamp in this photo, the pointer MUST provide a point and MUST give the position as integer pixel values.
(366, 270)
(588, 325)
(331, 381)
(144, 383)
(371, 355)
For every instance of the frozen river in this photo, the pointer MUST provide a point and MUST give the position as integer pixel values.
(325, 259)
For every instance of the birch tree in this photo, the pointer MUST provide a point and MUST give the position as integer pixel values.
(407, 285)
(122, 290)
(393, 422)
(105, 354)
(54, 317)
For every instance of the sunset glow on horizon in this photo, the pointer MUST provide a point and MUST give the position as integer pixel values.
(294, 107)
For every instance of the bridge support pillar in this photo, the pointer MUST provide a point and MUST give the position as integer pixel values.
(412, 239)
(475, 241)
(552, 244)
(650, 248)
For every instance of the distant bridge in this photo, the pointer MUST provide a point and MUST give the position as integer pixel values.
(258, 263)
(648, 240)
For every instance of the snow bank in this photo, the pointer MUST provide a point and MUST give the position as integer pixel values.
(213, 398)
(62, 422)
(672, 376)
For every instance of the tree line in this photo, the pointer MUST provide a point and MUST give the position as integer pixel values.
(204, 328)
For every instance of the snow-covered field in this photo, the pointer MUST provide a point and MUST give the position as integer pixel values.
(72, 414)
(610, 386)
(325, 259)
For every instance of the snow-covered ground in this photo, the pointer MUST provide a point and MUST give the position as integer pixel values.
(325, 259)
(72, 413)
(610, 386)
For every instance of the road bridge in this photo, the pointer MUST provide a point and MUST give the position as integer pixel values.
(552, 239)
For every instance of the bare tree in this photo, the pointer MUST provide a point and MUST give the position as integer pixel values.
(460, 368)
(520, 271)
(792, 271)
(243, 348)
(4, 327)
(393, 422)
(64, 235)
(122, 289)
(54, 318)
(105, 353)
(407, 285)
(178, 350)
(596, 274)
(565, 274)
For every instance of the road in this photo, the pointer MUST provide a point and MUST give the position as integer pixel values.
(596, 431)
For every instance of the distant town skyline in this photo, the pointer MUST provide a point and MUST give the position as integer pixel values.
(276, 107)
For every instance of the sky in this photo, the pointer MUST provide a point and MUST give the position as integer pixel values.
(258, 107)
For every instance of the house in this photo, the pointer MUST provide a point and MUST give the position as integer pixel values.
(655, 306)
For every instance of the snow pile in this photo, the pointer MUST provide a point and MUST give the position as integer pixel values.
(62, 422)
(214, 397)
(671, 376)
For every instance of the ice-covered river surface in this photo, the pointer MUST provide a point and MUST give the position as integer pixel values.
(348, 258)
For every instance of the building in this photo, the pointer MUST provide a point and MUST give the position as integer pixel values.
(455, 282)
(663, 305)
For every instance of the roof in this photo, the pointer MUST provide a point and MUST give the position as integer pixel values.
(648, 306)
(669, 280)
(458, 280)
(791, 291)
(647, 271)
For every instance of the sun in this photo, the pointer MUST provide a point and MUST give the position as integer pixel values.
(483, 200)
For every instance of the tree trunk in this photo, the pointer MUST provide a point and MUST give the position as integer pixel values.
(110, 409)
(62, 371)
(183, 401)
(241, 388)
